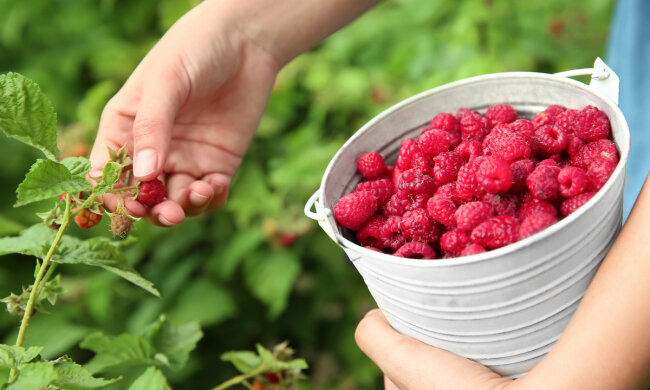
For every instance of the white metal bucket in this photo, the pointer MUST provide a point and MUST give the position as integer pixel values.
(504, 308)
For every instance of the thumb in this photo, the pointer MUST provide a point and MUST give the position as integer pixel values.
(152, 128)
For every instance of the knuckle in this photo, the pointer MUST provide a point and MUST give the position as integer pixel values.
(144, 128)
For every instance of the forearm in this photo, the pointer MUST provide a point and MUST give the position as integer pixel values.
(607, 344)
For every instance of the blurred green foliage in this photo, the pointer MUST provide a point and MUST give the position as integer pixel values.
(229, 270)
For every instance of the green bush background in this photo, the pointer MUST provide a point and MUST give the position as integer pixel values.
(226, 269)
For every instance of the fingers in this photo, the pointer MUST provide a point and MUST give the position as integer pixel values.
(388, 385)
(194, 196)
(410, 364)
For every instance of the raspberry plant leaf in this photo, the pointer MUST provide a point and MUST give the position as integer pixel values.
(78, 166)
(48, 179)
(110, 176)
(26, 114)
(244, 361)
(112, 353)
(72, 376)
(12, 356)
(152, 379)
(33, 241)
(34, 376)
(174, 341)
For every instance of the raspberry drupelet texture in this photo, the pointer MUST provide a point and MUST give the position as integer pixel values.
(535, 206)
(520, 170)
(501, 113)
(370, 233)
(572, 204)
(469, 150)
(547, 117)
(542, 183)
(433, 142)
(416, 225)
(421, 163)
(416, 250)
(87, 219)
(474, 127)
(470, 215)
(591, 124)
(467, 185)
(534, 223)
(412, 183)
(494, 176)
(472, 249)
(599, 172)
(406, 150)
(446, 167)
(152, 192)
(573, 181)
(391, 234)
(549, 140)
(592, 152)
(383, 189)
(355, 209)
(444, 121)
(454, 241)
(496, 232)
(442, 210)
(371, 165)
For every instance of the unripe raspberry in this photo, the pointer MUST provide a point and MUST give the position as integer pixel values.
(121, 225)
(87, 219)
(371, 165)
(151, 192)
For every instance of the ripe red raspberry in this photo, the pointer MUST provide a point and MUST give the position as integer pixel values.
(444, 121)
(416, 250)
(547, 117)
(504, 204)
(501, 113)
(472, 249)
(535, 206)
(371, 165)
(398, 206)
(494, 176)
(603, 149)
(523, 128)
(421, 163)
(496, 232)
(454, 241)
(151, 192)
(416, 225)
(469, 150)
(406, 150)
(549, 140)
(520, 170)
(542, 182)
(573, 181)
(549, 162)
(592, 124)
(474, 127)
(395, 175)
(370, 233)
(446, 166)
(599, 172)
(433, 142)
(534, 223)
(442, 210)
(470, 215)
(412, 183)
(566, 119)
(454, 138)
(509, 148)
(572, 204)
(462, 111)
(467, 185)
(383, 189)
(573, 145)
(448, 191)
(355, 209)
(391, 234)
(87, 219)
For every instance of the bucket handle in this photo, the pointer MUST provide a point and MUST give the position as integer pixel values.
(323, 219)
(603, 78)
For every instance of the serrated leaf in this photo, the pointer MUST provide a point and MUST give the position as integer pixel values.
(175, 342)
(71, 376)
(34, 376)
(152, 379)
(13, 356)
(270, 277)
(117, 352)
(110, 176)
(244, 361)
(33, 241)
(265, 355)
(26, 114)
(48, 179)
(78, 166)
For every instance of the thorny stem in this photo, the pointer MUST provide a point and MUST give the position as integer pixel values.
(37, 282)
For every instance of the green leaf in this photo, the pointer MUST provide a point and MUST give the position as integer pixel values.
(175, 342)
(295, 364)
(244, 361)
(270, 278)
(203, 301)
(265, 355)
(112, 353)
(72, 376)
(13, 356)
(8, 226)
(110, 176)
(243, 243)
(152, 379)
(34, 376)
(26, 114)
(48, 179)
(78, 166)
(33, 241)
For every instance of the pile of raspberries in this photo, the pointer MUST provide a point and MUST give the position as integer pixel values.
(471, 183)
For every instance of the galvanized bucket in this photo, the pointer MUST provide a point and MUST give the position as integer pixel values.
(504, 308)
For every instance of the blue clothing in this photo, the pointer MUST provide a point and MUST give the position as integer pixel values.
(628, 54)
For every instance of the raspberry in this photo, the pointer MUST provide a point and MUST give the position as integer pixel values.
(390, 233)
(494, 176)
(566, 119)
(469, 150)
(421, 163)
(547, 117)
(448, 191)
(467, 184)
(371, 165)
(573, 145)
(454, 241)
(444, 121)
(509, 147)
(355, 209)
(151, 192)
(496, 232)
(383, 189)
(87, 219)
(416, 225)
(520, 170)
(535, 206)
(523, 128)
(542, 182)
(454, 138)
(472, 249)
(504, 204)
(549, 140)
(599, 172)
(442, 210)
(412, 183)
(398, 206)
(573, 181)
(406, 150)
(433, 142)
(446, 166)
(470, 215)
(395, 175)
(416, 250)
(603, 149)
(549, 162)
(474, 127)
(572, 204)
(591, 124)
(370, 233)
(501, 113)
(534, 223)
(120, 224)
(462, 111)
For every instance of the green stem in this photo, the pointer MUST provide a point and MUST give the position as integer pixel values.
(240, 378)
(48, 275)
(114, 190)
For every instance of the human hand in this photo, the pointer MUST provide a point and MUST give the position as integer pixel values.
(188, 113)
(409, 364)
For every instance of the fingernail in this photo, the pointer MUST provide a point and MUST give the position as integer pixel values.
(197, 199)
(164, 221)
(145, 162)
